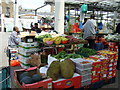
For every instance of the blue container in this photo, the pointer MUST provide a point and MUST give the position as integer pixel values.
(5, 78)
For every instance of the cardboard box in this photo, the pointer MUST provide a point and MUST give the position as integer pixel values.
(67, 83)
(45, 83)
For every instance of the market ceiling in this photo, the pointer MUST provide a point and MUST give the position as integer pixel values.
(94, 5)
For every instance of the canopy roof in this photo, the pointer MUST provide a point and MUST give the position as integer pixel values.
(97, 5)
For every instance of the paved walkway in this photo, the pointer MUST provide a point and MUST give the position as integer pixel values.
(3, 44)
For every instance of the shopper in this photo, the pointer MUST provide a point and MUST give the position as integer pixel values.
(35, 28)
(85, 20)
(13, 39)
(89, 32)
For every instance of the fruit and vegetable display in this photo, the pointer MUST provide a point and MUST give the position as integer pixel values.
(55, 40)
(106, 52)
(115, 37)
(26, 78)
(59, 69)
(86, 52)
(64, 55)
(74, 40)
(41, 37)
(49, 39)
(84, 62)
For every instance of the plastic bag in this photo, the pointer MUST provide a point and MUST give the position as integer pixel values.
(14, 63)
(84, 8)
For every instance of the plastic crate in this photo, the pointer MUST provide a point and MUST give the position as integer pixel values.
(86, 77)
(83, 72)
(24, 66)
(84, 66)
(23, 57)
(85, 83)
(34, 44)
(27, 50)
(43, 84)
(23, 61)
(95, 79)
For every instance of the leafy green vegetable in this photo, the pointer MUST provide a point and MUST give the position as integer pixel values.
(44, 36)
(87, 51)
(64, 55)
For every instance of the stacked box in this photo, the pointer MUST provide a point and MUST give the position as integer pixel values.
(103, 66)
(111, 66)
(113, 46)
(25, 50)
(84, 68)
(96, 68)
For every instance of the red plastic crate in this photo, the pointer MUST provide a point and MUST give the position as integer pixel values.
(46, 83)
(95, 79)
(111, 74)
(96, 72)
(112, 44)
(96, 65)
(103, 75)
(111, 48)
(67, 83)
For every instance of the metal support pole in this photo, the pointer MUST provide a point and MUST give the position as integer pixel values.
(68, 18)
(2, 22)
(59, 16)
(16, 14)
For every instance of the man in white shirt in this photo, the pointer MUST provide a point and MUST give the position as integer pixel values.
(89, 32)
(13, 39)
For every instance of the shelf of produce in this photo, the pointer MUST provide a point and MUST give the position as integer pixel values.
(85, 42)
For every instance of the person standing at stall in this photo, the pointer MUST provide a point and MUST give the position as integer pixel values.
(35, 28)
(89, 31)
(13, 39)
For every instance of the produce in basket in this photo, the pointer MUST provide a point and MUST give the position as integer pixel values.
(71, 39)
(84, 62)
(43, 36)
(26, 80)
(64, 55)
(86, 52)
(36, 78)
(47, 39)
(49, 42)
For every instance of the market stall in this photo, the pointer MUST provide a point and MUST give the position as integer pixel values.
(56, 61)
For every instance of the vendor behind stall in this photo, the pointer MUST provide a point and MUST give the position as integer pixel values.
(35, 28)
(13, 39)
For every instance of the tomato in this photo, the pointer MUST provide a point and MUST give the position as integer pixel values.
(64, 42)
